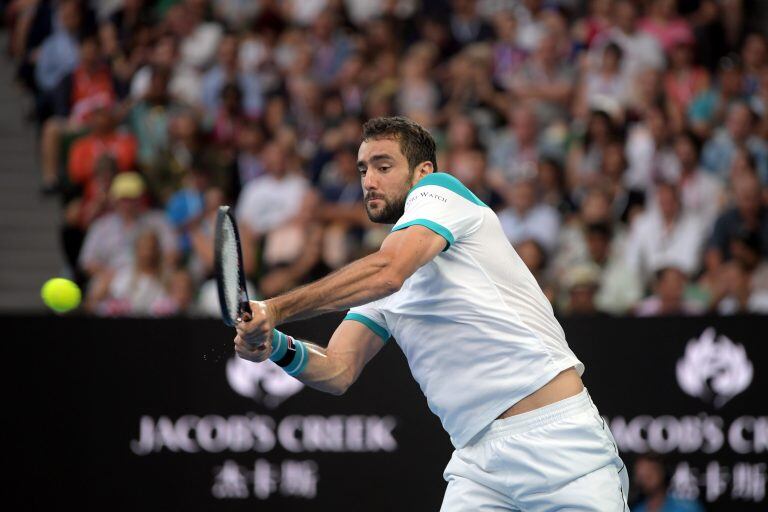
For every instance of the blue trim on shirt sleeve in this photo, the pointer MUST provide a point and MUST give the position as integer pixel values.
(445, 180)
(380, 331)
(432, 226)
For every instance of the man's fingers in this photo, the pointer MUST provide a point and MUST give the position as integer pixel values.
(244, 347)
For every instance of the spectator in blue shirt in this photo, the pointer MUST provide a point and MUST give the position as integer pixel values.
(59, 53)
(738, 132)
(652, 480)
(186, 206)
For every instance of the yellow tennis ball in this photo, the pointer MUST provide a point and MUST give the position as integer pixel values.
(61, 295)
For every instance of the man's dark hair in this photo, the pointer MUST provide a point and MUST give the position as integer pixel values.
(415, 142)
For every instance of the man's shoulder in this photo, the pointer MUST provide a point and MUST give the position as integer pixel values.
(448, 182)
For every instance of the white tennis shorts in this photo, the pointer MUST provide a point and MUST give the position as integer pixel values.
(558, 457)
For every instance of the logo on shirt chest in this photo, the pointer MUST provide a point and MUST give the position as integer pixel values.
(425, 194)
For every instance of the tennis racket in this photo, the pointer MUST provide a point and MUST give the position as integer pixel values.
(228, 265)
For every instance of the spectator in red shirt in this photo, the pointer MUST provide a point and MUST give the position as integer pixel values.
(89, 87)
(665, 25)
(105, 139)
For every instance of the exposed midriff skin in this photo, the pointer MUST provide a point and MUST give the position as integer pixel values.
(565, 384)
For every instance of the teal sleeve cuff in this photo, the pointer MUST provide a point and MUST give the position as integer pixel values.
(380, 331)
(432, 226)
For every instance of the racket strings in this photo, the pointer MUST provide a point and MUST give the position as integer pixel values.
(231, 269)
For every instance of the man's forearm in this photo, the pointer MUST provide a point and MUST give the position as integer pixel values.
(360, 282)
(325, 373)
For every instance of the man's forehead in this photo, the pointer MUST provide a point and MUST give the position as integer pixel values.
(378, 147)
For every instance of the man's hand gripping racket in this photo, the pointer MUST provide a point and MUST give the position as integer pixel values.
(254, 325)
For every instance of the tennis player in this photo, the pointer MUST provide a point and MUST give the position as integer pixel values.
(479, 335)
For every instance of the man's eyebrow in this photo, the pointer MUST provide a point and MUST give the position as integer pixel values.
(375, 158)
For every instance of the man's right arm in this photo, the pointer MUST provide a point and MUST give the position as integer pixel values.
(334, 368)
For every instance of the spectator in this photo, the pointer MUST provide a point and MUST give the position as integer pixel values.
(669, 295)
(250, 143)
(229, 120)
(341, 209)
(754, 54)
(652, 479)
(515, 151)
(641, 51)
(665, 235)
(136, 289)
(618, 287)
(535, 258)
(150, 117)
(738, 132)
(665, 25)
(597, 21)
(581, 283)
(180, 296)
(508, 55)
(604, 87)
(527, 218)
(593, 239)
(275, 199)
(186, 206)
(418, 91)
(331, 47)
(740, 295)
(104, 139)
(683, 81)
(88, 88)
(649, 151)
(201, 236)
(546, 80)
(81, 212)
(110, 240)
(585, 157)
(709, 108)
(748, 214)
(235, 13)
(59, 55)
(759, 105)
(466, 25)
(185, 146)
(227, 71)
(700, 192)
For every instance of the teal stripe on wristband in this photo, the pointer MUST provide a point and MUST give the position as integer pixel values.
(300, 361)
(279, 345)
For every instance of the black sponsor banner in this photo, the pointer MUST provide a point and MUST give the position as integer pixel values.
(158, 415)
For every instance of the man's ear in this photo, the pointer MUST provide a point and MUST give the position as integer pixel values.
(422, 170)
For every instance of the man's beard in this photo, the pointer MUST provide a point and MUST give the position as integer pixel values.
(390, 212)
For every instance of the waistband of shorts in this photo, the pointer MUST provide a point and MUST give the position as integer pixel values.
(526, 421)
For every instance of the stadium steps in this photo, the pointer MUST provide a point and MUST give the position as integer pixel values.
(29, 223)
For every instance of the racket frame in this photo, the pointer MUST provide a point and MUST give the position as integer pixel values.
(244, 308)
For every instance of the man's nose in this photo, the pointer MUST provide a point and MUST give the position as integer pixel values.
(369, 181)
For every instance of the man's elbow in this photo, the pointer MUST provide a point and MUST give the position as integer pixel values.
(340, 386)
(389, 278)
(338, 390)
(390, 281)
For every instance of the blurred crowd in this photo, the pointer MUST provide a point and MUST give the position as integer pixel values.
(622, 143)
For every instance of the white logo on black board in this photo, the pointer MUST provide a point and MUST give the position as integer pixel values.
(714, 368)
(265, 382)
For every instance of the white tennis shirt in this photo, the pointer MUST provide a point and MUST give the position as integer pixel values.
(478, 332)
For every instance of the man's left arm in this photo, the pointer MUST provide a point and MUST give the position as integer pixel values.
(365, 280)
